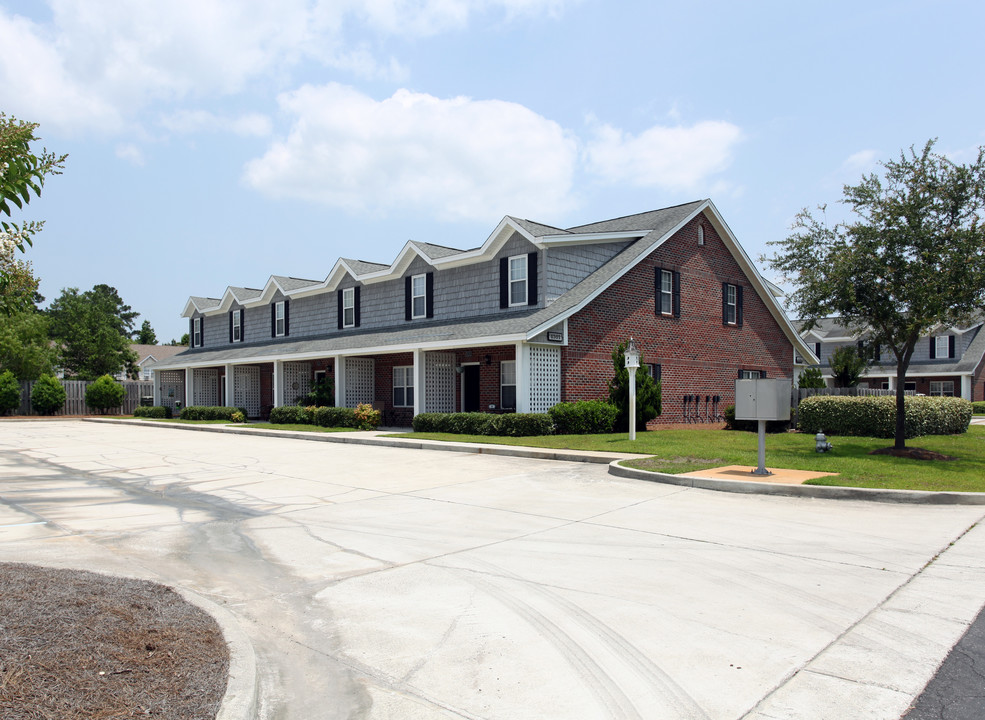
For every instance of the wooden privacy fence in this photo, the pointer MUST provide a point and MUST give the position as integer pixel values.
(75, 393)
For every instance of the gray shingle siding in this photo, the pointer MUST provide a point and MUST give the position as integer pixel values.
(567, 266)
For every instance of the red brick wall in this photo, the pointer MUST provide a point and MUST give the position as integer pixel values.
(697, 354)
(383, 368)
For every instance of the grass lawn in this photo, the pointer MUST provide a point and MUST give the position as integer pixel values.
(296, 426)
(680, 451)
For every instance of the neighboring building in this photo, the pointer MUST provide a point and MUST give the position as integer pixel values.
(521, 323)
(950, 361)
(150, 355)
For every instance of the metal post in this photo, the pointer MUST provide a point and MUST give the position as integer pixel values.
(761, 470)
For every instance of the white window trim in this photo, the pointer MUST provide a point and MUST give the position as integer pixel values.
(197, 332)
(732, 305)
(941, 386)
(406, 383)
(279, 324)
(946, 352)
(667, 294)
(525, 280)
(349, 303)
(237, 328)
(423, 297)
(502, 365)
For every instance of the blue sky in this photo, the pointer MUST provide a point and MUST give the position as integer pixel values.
(217, 142)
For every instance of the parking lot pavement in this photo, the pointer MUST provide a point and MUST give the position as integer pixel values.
(394, 583)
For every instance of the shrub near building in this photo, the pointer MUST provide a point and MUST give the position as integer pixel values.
(876, 416)
(48, 395)
(10, 392)
(105, 394)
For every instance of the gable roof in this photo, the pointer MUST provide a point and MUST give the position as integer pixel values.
(156, 353)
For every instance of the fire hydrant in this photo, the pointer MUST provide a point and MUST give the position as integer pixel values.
(821, 443)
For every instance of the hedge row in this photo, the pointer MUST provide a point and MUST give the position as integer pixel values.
(585, 417)
(364, 417)
(205, 412)
(161, 411)
(876, 416)
(473, 423)
(978, 407)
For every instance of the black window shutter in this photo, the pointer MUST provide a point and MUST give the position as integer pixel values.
(201, 329)
(429, 297)
(242, 324)
(230, 326)
(950, 346)
(740, 373)
(504, 282)
(725, 304)
(287, 317)
(355, 302)
(191, 332)
(657, 276)
(408, 300)
(532, 278)
(677, 294)
(339, 295)
(762, 373)
(273, 319)
(933, 348)
(738, 306)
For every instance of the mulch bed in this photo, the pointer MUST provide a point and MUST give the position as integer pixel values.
(914, 453)
(75, 644)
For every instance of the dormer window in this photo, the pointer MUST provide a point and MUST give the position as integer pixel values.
(197, 332)
(418, 296)
(279, 328)
(518, 280)
(349, 307)
(942, 346)
(237, 325)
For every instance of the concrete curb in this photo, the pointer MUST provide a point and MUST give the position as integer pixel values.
(826, 492)
(240, 699)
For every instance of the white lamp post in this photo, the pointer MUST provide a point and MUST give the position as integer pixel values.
(632, 362)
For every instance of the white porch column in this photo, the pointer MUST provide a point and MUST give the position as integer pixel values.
(339, 381)
(189, 387)
(522, 377)
(157, 389)
(892, 382)
(278, 383)
(230, 387)
(966, 387)
(419, 399)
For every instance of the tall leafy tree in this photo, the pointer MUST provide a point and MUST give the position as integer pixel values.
(847, 366)
(93, 332)
(25, 348)
(910, 260)
(145, 335)
(22, 174)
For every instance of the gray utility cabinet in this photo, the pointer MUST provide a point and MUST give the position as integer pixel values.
(762, 399)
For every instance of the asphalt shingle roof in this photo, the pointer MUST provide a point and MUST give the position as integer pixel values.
(651, 220)
(292, 283)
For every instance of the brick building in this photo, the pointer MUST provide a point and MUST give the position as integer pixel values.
(524, 321)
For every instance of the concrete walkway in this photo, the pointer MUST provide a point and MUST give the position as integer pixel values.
(382, 582)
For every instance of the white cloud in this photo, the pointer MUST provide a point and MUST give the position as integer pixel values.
(457, 158)
(131, 153)
(666, 157)
(862, 161)
(196, 121)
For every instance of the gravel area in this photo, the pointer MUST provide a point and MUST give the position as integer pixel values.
(76, 644)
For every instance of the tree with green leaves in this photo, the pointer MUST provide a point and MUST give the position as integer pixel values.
(92, 330)
(848, 366)
(48, 395)
(105, 394)
(145, 335)
(25, 348)
(647, 391)
(811, 378)
(910, 259)
(22, 174)
(10, 392)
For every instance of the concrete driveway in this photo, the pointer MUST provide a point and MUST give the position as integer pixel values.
(394, 583)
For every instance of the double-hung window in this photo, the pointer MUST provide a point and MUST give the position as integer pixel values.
(518, 280)
(731, 305)
(507, 384)
(418, 296)
(197, 332)
(666, 292)
(943, 388)
(279, 320)
(237, 322)
(942, 346)
(349, 307)
(403, 386)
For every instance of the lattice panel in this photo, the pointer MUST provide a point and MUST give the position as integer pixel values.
(439, 382)
(172, 387)
(246, 388)
(360, 381)
(206, 388)
(297, 381)
(545, 378)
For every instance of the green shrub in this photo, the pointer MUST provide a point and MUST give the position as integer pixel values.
(772, 426)
(10, 392)
(522, 424)
(585, 417)
(206, 412)
(291, 415)
(47, 395)
(161, 411)
(335, 417)
(105, 393)
(875, 416)
(322, 394)
(427, 422)
(238, 417)
(978, 407)
(366, 417)
(811, 377)
(469, 423)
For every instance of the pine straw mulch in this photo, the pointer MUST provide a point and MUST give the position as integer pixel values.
(75, 644)
(914, 453)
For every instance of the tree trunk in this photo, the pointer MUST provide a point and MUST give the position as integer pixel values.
(900, 407)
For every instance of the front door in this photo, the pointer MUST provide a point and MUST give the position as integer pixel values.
(470, 392)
